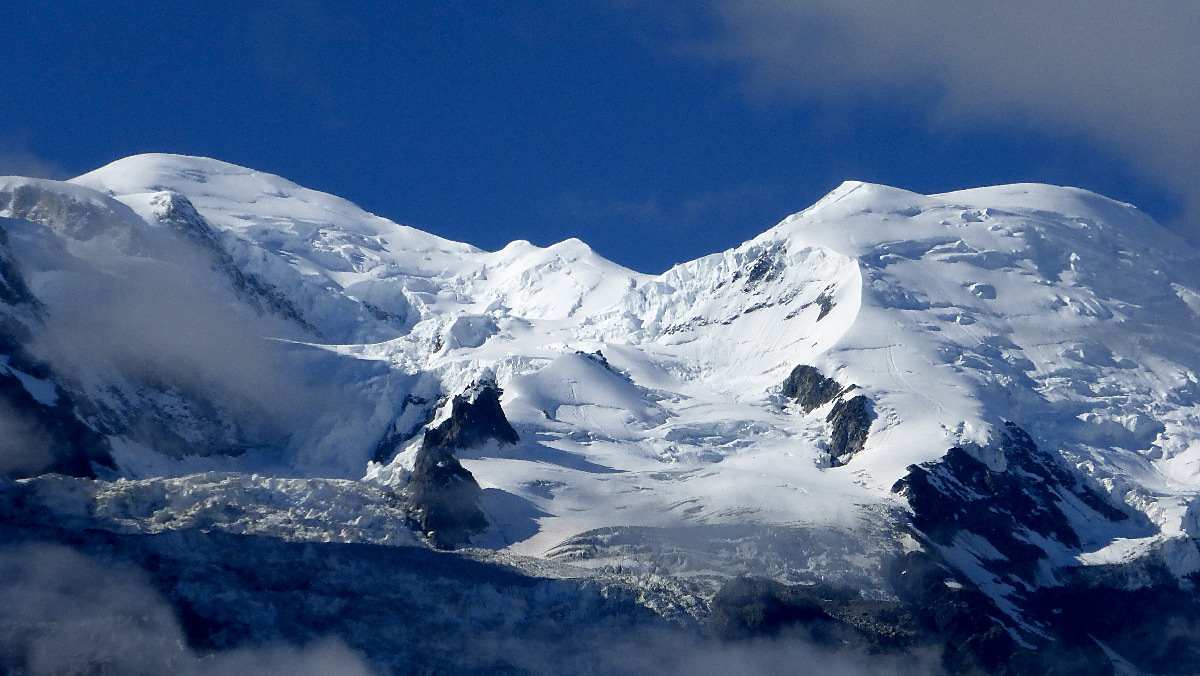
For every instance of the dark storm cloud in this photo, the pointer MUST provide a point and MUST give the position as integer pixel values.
(1125, 74)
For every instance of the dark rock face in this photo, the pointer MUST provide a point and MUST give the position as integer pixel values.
(77, 219)
(766, 267)
(53, 436)
(13, 290)
(38, 437)
(825, 302)
(475, 417)
(963, 627)
(1145, 616)
(960, 494)
(443, 495)
(851, 421)
(444, 498)
(954, 622)
(748, 607)
(806, 386)
(972, 634)
(1157, 628)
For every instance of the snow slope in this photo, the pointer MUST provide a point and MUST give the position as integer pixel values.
(649, 407)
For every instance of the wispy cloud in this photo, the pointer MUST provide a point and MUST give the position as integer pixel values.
(25, 163)
(63, 612)
(1126, 74)
(26, 448)
(173, 325)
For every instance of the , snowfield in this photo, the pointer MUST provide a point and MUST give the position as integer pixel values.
(212, 318)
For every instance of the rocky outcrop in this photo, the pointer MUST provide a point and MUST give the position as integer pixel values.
(1073, 626)
(45, 435)
(475, 418)
(1156, 628)
(974, 636)
(959, 494)
(850, 421)
(749, 607)
(807, 387)
(746, 607)
(1002, 522)
(935, 618)
(443, 496)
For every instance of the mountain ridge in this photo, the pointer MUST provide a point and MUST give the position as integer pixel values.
(1014, 359)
